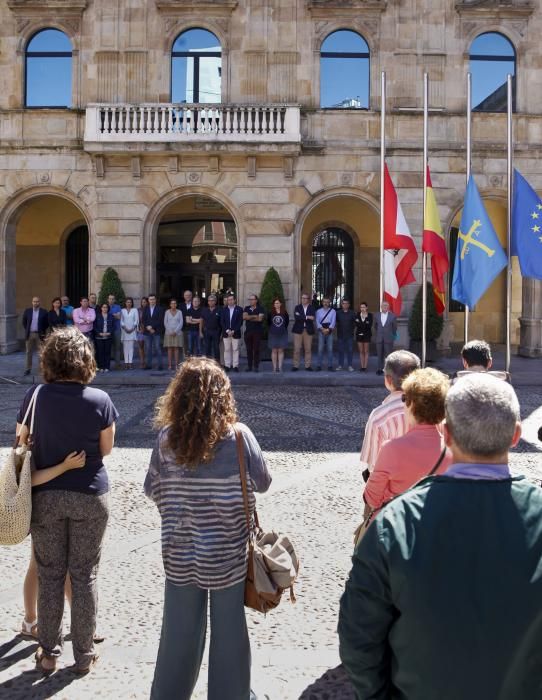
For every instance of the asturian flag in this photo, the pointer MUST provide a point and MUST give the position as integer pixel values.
(527, 228)
(400, 254)
(479, 256)
(434, 243)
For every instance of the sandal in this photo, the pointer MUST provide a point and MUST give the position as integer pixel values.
(29, 630)
(83, 670)
(45, 664)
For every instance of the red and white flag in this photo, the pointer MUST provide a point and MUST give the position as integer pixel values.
(400, 254)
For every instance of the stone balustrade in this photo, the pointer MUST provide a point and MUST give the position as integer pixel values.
(117, 123)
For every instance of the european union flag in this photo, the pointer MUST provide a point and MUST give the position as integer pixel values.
(479, 256)
(527, 228)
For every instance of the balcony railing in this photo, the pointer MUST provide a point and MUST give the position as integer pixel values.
(115, 123)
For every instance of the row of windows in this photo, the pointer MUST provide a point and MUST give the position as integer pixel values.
(196, 70)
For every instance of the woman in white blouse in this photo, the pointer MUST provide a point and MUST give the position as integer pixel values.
(129, 320)
(173, 337)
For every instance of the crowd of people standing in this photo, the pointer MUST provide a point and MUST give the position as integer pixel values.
(199, 327)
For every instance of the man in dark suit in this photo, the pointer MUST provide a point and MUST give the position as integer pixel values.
(35, 324)
(153, 326)
(231, 320)
(385, 325)
(303, 332)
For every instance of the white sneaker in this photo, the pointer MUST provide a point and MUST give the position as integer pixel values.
(350, 369)
(338, 368)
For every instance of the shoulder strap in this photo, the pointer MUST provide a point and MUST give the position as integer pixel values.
(30, 410)
(439, 461)
(243, 474)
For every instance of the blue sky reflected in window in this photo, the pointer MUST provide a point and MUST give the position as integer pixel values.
(196, 67)
(492, 58)
(344, 71)
(49, 70)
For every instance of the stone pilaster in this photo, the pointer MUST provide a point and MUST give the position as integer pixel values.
(530, 343)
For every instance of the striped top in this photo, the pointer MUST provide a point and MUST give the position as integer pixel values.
(386, 422)
(204, 532)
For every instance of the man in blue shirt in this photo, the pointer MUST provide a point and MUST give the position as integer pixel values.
(115, 310)
(68, 309)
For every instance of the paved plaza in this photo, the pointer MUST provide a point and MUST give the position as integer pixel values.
(311, 438)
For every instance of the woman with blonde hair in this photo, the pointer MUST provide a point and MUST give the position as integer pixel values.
(194, 480)
(421, 450)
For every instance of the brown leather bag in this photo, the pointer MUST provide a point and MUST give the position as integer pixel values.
(272, 561)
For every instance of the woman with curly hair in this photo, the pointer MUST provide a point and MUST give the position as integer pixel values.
(70, 502)
(407, 459)
(194, 480)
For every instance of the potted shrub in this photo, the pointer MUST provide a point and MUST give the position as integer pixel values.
(111, 284)
(271, 289)
(434, 325)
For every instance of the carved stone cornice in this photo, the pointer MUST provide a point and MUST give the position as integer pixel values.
(321, 7)
(69, 13)
(495, 8)
(182, 7)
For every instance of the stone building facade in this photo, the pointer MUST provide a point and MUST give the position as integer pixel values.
(210, 196)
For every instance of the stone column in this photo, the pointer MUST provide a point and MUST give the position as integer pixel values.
(530, 340)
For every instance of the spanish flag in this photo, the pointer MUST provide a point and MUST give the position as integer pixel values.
(434, 243)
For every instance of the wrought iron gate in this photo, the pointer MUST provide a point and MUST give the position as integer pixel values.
(333, 265)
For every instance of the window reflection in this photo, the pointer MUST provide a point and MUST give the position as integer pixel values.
(344, 71)
(492, 58)
(48, 70)
(196, 67)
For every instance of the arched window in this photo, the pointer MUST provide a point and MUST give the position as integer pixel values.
(492, 58)
(344, 71)
(333, 265)
(48, 70)
(196, 67)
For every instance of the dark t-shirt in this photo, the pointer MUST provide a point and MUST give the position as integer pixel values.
(211, 319)
(345, 324)
(195, 314)
(69, 417)
(254, 326)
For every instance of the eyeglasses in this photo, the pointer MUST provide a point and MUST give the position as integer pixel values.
(403, 398)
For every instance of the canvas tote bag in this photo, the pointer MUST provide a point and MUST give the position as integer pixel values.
(273, 564)
(15, 485)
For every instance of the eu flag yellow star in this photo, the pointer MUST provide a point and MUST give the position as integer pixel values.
(536, 229)
(534, 215)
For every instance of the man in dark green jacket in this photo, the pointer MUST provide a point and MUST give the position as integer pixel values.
(444, 600)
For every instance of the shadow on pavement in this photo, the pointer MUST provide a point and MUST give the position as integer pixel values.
(7, 659)
(33, 684)
(334, 684)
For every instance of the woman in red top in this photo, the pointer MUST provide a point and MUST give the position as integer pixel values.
(407, 459)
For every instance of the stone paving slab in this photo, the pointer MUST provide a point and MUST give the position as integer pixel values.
(311, 440)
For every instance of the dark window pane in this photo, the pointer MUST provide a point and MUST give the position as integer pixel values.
(49, 40)
(345, 41)
(48, 82)
(344, 82)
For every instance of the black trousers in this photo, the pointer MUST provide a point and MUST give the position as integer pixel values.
(252, 342)
(103, 352)
(212, 344)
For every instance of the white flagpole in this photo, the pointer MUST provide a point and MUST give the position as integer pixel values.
(424, 255)
(509, 221)
(469, 151)
(382, 164)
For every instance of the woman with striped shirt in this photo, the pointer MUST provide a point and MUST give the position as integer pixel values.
(194, 480)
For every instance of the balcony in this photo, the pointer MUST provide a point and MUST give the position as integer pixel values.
(108, 126)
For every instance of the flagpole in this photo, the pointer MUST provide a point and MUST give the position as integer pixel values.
(382, 165)
(509, 221)
(424, 255)
(469, 153)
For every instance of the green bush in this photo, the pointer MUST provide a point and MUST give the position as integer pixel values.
(271, 289)
(111, 284)
(435, 323)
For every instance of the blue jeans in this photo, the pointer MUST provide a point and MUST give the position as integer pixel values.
(182, 642)
(325, 342)
(194, 343)
(153, 343)
(345, 345)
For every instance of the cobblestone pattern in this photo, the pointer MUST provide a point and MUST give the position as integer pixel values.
(311, 438)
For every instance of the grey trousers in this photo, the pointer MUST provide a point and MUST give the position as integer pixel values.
(33, 344)
(67, 531)
(383, 349)
(182, 642)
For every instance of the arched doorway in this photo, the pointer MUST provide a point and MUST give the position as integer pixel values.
(196, 249)
(76, 264)
(333, 264)
(339, 239)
